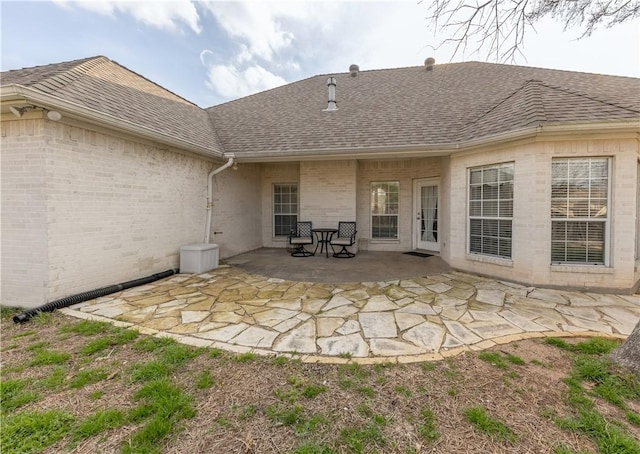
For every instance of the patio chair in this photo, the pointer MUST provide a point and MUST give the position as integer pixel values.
(346, 236)
(300, 236)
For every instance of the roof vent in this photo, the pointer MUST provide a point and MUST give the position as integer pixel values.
(353, 70)
(429, 62)
(331, 84)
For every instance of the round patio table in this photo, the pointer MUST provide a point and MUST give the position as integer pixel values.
(323, 236)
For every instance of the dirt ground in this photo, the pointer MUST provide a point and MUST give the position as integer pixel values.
(234, 415)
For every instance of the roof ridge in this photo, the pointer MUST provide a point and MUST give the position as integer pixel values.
(63, 78)
(584, 95)
(530, 92)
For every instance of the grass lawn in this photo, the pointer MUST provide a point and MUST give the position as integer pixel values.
(77, 386)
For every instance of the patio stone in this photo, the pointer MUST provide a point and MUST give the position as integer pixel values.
(326, 326)
(293, 305)
(427, 335)
(342, 311)
(417, 308)
(453, 313)
(162, 323)
(390, 347)
(353, 344)
(313, 306)
(579, 312)
(336, 301)
(461, 333)
(521, 322)
(406, 321)
(193, 316)
(254, 336)
(439, 288)
(492, 329)
(350, 327)
(225, 317)
(451, 342)
(493, 297)
(378, 324)
(379, 303)
(300, 340)
(224, 334)
(400, 320)
(287, 325)
(398, 293)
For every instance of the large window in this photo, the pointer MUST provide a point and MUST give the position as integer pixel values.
(384, 209)
(491, 210)
(285, 208)
(579, 210)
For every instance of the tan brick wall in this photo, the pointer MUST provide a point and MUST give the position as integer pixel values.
(328, 192)
(288, 172)
(237, 211)
(405, 171)
(114, 209)
(23, 214)
(532, 222)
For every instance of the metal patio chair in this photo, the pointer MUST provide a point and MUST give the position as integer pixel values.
(301, 236)
(346, 236)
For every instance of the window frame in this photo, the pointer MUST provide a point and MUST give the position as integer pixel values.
(395, 215)
(605, 220)
(273, 208)
(498, 217)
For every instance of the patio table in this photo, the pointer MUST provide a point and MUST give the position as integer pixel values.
(323, 236)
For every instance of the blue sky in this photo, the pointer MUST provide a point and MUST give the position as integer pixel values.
(210, 52)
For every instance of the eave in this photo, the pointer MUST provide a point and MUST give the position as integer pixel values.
(15, 94)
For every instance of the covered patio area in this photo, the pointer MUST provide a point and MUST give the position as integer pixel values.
(381, 307)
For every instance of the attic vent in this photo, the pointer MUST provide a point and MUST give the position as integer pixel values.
(353, 70)
(331, 84)
(429, 62)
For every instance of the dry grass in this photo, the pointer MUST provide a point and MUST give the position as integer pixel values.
(267, 405)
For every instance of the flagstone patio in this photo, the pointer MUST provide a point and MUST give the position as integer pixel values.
(406, 320)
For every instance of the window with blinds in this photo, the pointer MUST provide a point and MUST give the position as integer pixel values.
(491, 210)
(285, 208)
(579, 210)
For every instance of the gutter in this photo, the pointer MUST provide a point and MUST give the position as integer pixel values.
(16, 92)
(444, 149)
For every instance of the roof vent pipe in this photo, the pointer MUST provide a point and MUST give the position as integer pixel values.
(331, 84)
(353, 70)
(429, 62)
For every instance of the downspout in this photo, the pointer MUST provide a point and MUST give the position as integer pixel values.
(207, 231)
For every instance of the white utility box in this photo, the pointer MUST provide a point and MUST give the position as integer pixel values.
(198, 258)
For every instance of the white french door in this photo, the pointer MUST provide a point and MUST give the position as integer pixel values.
(426, 196)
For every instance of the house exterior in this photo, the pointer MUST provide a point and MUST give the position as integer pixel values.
(524, 174)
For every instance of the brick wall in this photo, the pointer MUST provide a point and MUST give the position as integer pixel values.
(104, 209)
(237, 210)
(282, 173)
(404, 171)
(24, 261)
(532, 222)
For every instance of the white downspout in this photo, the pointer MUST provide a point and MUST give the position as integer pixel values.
(207, 231)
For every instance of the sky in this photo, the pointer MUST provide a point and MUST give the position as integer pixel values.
(210, 52)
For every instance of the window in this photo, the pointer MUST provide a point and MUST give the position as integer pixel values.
(384, 209)
(579, 210)
(285, 208)
(491, 210)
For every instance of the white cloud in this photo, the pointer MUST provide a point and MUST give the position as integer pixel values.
(229, 81)
(169, 14)
(261, 26)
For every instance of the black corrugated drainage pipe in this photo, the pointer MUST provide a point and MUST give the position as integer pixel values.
(91, 294)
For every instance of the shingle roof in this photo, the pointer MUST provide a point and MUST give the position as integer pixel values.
(411, 106)
(109, 88)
